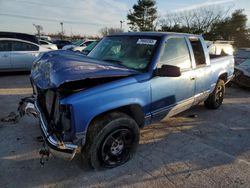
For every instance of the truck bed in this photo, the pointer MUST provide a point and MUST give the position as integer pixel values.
(222, 63)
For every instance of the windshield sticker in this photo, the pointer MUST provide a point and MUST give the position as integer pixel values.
(146, 41)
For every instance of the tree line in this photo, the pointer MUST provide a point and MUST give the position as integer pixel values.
(214, 22)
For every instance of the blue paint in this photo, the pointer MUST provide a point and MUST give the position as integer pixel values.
(153, 94)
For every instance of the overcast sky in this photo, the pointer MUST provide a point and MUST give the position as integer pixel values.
(87, 16)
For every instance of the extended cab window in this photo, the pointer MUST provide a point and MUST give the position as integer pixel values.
(23, 46)
(199, 54)
(176, 53)
(5, 46)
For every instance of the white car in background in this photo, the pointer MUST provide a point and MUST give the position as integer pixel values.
(79, 45)
(47, 44)
(44, 37)
(17, 54)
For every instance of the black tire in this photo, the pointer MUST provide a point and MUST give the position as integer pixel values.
(215, 99)
(111, 140)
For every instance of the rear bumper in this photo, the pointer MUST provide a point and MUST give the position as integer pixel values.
(57, 148)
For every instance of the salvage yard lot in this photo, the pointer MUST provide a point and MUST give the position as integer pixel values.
(210, 150)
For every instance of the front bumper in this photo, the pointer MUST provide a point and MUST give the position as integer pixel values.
(56, 147)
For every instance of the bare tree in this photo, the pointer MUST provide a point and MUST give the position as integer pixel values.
(197, 20)
(39, 29)
(109, 31)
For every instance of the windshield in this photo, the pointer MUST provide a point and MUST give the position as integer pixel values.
(134, 52)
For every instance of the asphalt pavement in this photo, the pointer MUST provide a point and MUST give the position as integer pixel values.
(198, 148)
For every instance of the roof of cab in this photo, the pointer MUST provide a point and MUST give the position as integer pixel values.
(159, 34)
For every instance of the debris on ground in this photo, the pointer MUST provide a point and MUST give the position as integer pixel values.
(39, 139)
(44, 153)
(26, 106)
(12, 117)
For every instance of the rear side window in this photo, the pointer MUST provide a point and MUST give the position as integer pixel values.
(5, 46)
(176, 53)
(199, 54)
(23, 46)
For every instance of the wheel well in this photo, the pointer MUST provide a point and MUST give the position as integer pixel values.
(223, 77)
(134, 111)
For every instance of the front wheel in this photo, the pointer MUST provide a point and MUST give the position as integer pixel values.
(215, 99)
(112, 140)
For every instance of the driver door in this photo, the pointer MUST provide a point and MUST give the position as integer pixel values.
(171, 95)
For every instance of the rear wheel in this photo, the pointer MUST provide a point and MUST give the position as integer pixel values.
(215, 99)
(112, 140)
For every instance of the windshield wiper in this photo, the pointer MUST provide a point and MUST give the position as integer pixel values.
(117, 62)
(113, 60)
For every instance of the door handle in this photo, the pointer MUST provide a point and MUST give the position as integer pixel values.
(192, 78)
(5, 55)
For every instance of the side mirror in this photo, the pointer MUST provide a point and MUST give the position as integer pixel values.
(168, 71)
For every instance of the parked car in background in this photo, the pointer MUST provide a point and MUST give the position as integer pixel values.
(17, 54)
(22, 36)
(61, 43)
(242, 74)
(47, 44)
(44, 37)
(241, 55)
(79, 45)
(89, 48)
(73, 44)
(97, 103)
(242, 67)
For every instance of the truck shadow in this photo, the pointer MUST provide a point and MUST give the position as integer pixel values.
(177, 149)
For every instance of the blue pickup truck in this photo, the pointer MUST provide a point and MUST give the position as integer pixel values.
(96, 104)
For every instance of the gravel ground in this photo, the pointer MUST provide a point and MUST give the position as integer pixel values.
(210, 150)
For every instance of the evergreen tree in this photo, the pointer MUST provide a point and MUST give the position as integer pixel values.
(143, 16)
(232, 28)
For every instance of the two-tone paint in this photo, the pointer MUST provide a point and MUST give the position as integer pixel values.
(148, 96)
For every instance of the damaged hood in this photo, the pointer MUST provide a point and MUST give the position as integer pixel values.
(55, 68)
